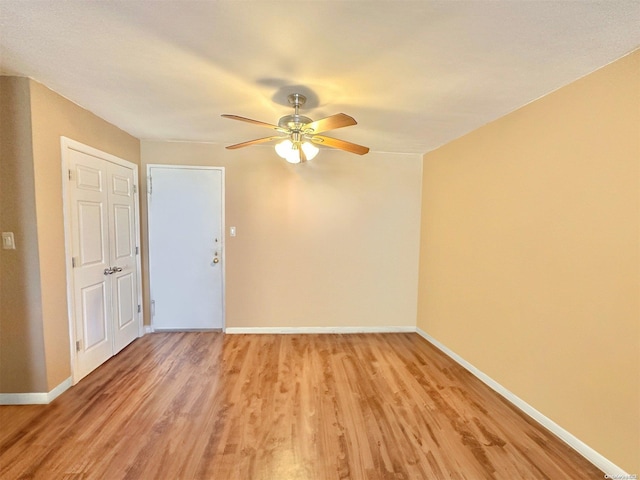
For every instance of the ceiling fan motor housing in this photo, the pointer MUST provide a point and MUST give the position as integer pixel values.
(293, 122)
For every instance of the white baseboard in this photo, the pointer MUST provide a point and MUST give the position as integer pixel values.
(306, 330)
(608, 467)
(35, 398)
(148, 329)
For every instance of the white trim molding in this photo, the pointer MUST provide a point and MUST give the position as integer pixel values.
(39, 398)
(610, 469)
(306, 330)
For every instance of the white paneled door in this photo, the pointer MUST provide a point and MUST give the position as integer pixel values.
(102, 225)
(186, 247)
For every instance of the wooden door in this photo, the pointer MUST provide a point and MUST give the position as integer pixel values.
(186, 247)
(122, 242)
(104, 248)
(91, 262)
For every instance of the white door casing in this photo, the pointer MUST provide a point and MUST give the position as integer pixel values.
(103, 267)
(186, 247)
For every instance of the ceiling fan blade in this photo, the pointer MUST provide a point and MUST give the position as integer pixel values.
(255, 122)
(254, 142)
(340, 144)
(338, 120)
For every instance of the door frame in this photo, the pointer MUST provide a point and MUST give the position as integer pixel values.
(67, 145)
(222, 221)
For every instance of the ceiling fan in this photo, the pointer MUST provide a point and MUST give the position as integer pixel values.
(300, 133)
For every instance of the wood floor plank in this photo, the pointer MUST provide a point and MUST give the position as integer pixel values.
(202, 405)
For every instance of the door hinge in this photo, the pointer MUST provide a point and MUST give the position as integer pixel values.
(69, 174)
(137, 250)
(73, 262)
(150, 185)
(135, 189)
(78, 345)
(139, 308)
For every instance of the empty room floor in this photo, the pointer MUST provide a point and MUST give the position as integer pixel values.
(203, 405)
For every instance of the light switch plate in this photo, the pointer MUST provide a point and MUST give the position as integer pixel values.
(8, 243)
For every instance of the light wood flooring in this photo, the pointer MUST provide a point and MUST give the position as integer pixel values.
(280, 407)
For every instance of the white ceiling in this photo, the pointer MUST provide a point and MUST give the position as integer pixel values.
(414, 74)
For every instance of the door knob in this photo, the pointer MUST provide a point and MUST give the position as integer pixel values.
(116, 269)
(108, 271)
(216, 260)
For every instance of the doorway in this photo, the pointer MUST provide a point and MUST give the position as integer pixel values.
(186, 247)
(103, 263)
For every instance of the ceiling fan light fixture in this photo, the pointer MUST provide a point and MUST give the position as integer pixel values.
(286, 149)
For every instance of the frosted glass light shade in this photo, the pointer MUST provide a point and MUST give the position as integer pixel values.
(310, 150)
(285, 150)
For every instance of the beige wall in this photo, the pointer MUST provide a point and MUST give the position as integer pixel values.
(52, 116)
(22, 360)
(530, 255)
(333, 242)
